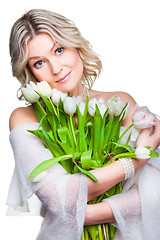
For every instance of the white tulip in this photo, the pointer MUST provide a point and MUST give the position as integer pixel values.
(44, 89)
(143, 118)
(79, 99)
(92, 106)
(127, 110)
(39, 177)
(69, 105)
(29, 92)
(57, 95)
(115, 106)
(102, 108)
(101, 100)
(135, 133)
(142, 153)
(82, 107)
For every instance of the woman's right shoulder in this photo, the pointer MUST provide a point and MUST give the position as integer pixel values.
(21, 116)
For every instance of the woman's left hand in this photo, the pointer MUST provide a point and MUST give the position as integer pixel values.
(150, 136)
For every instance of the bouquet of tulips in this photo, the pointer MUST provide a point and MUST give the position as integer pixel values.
(91, 142)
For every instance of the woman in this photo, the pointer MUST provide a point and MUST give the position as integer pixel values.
(45, 46)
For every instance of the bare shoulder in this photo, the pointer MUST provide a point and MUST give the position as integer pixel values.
(125, 97)
(22, 115)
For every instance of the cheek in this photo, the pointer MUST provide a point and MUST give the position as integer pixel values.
(40, 75)
(74, 60)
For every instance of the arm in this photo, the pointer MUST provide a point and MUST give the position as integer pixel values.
(107, 176)
(99, 213)
(112, 174)
(126, 205)
(129, 202)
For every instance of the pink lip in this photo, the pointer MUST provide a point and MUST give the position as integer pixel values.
(65, 78)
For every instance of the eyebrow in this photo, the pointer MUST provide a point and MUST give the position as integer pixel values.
(35, 57)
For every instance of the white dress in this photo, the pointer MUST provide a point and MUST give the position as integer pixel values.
(62, 198)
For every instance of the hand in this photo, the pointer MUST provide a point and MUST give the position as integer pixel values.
(150, 136)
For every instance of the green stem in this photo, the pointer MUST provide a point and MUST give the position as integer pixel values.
(83, 237)
(100, 232)
(72, 129)
(125, 155)
(54, 108)
(107, 231)
(41, 107)
(124, 133)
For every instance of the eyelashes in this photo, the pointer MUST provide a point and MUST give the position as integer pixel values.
(59, 50)
(40, 63)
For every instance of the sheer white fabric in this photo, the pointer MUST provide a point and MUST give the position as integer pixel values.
(63, 196)
(137, 209)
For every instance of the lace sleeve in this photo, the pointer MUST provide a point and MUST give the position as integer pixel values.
(64, 196)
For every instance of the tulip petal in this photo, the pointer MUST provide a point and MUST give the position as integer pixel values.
(142, 153)
(134, 134)
(30, 95)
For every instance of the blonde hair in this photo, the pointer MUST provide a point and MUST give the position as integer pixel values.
(62, 30)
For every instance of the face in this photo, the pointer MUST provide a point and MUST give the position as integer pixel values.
(61, 67)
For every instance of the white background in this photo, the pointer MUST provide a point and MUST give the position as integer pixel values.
(126, 34)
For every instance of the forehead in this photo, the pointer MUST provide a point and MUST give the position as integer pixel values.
(40, 45)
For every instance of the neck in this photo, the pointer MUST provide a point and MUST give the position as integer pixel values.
(80, 91)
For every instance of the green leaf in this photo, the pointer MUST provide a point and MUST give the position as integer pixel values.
(49, 104)
(125, 146)
(86, 110)
(101, 143)
(47, 164)
(62, 133)
(86, 173)
(40, 112)
(107, 131)
(86, 159)
(66, 148)
(94, 164)
(81, 127)
(96, 130)
(47, 136)
(154, 154)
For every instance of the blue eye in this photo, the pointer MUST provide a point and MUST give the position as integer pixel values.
(59, 50)
(38, 64)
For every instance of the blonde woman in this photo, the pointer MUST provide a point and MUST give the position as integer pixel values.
(45, 46)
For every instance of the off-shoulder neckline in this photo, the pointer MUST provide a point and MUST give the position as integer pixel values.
(23, 125)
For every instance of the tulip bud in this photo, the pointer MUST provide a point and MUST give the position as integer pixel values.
(29, 92)
(82, 107)
(141, 118)
(102, 108)
(142, 153)
(57, 95)
(127, 110)
(92, 106)
(44, 89)
(100, 101)
(115, 106)
(69, 105)
(79, 99)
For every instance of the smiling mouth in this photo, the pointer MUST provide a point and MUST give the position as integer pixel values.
(65, 78)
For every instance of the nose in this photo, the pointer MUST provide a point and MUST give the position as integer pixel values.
(56, 67)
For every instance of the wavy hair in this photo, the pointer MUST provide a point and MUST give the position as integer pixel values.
(62, 30)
